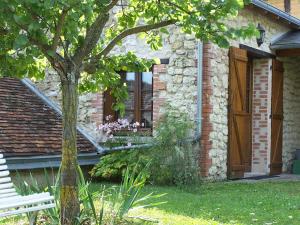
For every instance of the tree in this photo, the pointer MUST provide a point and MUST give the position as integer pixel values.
(75, 37)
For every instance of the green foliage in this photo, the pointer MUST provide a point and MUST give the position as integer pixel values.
(115, 202)
(54, 31)
(174, 158)
(128, 196)
(114, 165)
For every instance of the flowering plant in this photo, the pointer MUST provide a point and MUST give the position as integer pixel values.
(110, 128)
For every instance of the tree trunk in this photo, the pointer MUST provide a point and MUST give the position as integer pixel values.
(69, 198)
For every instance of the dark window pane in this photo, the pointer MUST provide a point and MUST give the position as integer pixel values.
(146, 92)
(130, 81)
(146, 119)
(129, 102)
(129, 115)
(146, 81)
(146, 100)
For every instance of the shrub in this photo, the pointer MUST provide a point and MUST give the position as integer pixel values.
(112, 166)
(172, 155)
(174, 159)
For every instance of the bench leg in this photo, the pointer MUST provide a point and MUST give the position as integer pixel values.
(33, 218)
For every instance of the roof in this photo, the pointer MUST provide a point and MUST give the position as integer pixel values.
(289, 40)
(294, 21)
(28, 126)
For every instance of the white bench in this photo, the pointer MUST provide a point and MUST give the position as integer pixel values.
(11, 203)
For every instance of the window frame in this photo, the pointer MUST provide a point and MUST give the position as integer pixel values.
(137, 109)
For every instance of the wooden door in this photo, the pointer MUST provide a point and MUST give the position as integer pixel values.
(239, 143)
(276, 118)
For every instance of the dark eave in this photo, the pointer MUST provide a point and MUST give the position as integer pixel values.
(48, 161)
(295, 22)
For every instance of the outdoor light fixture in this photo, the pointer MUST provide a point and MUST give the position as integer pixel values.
(260, 40)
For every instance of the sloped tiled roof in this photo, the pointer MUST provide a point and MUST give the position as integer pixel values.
(27, 125)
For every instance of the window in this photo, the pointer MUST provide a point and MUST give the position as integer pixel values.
(138, 106)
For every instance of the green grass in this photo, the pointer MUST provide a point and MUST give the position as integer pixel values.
(224, 203)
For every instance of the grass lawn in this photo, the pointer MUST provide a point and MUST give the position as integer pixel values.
(222, 203)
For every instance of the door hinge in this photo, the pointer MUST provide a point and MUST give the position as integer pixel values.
(271, 67)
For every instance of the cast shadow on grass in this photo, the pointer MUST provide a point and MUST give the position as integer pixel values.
(231, 203)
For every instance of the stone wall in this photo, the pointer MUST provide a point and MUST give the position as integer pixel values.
(291, 109)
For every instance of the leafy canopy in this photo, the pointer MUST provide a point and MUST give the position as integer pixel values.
(78, 35)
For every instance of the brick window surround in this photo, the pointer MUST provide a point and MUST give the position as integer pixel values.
(158, 101)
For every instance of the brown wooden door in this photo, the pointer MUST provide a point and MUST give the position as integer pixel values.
(277, 118)
(239, 146)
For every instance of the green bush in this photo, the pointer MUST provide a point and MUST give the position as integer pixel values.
(172, 155)
(112, 166)
(174, 159)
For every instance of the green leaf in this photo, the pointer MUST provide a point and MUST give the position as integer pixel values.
(51, 53)
(20, 41)
(164, 30)
(34, 26)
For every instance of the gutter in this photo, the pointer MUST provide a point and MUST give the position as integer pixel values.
(56, 108)
(272, 9)
(199, 90)
(48, 161)
(121, 148)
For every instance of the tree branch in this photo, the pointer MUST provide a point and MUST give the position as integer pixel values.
(111, 5)
(57, 61)
(91, 66)
(58, 30)
(93, 33)
(130, 31)
(172, 4)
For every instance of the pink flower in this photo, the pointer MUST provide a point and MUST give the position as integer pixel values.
(111, 127)
(109, 117)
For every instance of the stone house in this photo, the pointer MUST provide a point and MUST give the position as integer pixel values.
(244, 101)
